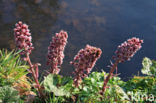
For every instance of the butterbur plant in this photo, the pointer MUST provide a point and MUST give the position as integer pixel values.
(56, 51)
(23, 42)
(84, 61)
(124, 52)
(61, 89)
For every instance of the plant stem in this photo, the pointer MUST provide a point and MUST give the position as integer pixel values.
(78, 79)
(114, 66)
(35, 77)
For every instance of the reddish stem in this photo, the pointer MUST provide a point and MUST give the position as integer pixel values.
(35, 77)
(78, 79)
(114, 66)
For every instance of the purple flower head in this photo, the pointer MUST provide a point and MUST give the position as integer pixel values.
(23, 38)
(126, 50)
(56, 51)
(84, 61)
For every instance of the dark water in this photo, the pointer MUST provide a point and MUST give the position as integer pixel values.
(100, 23)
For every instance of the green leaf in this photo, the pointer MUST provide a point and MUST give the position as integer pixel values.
(8, 95)
(149, 67)
(147, 63)
(50, 83)
(11, 67)
(121, 93)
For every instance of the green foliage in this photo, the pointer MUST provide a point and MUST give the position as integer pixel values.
(57, 88)
(145, 84)
(90, 88)
(57, 85)
(115, 94)
(149, 67)
(8, 95)
(141, 85)
(89, 91)
(11, 67)
(60, 89)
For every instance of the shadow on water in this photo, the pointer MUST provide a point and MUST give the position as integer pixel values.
(101, 23)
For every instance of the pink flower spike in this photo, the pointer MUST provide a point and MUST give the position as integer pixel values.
(84, 62)
(22, 39)
(126, 50)
(56, 51)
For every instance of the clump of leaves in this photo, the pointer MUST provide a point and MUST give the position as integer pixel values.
(89, 90)
(57, 84)
(8, 95)
(143, 85)
(149, 67)
(13, 72)
(57, 88)
(23, 86)
(11, 67)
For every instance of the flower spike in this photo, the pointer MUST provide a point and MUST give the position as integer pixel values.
(23, 38)
(56, 51)
(84, 62)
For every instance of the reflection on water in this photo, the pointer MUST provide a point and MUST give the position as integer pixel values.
(101, 23)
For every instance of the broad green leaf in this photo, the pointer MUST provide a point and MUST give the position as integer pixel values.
(149, 67)
(50, 84)
(147, 63)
